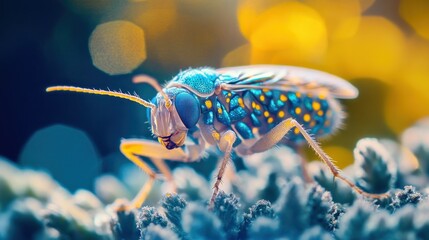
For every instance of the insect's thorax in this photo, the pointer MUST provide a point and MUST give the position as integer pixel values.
(252, 113)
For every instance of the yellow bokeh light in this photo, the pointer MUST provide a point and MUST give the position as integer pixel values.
(292, 27)
(237, 57)
(375, 51)
(416, 13)
(341, 17)
(117, 47)
(342, 155)
(365, 4)
(408, 100)
(248, 12)
(156, 17)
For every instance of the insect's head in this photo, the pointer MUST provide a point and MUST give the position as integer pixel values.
(175, 111)
(171, 113)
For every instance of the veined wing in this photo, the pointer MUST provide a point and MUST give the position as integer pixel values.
(285, 78)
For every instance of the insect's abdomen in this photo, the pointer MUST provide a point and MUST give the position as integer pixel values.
(320, 115)
(253, 113)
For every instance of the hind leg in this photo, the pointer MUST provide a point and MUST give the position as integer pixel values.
(278, 132)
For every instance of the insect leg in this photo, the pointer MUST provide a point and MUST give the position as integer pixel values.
(279, 131)
(226, 141)
(133, 148)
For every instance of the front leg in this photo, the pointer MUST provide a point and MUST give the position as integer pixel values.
(133, 149)
(225, 143)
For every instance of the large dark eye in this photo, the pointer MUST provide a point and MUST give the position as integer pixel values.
(148, 110)
(188, 109)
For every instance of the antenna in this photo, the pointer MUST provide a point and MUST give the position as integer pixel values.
(151, 81)
(133, 98)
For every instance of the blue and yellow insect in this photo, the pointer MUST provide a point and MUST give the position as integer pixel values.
(246, 109)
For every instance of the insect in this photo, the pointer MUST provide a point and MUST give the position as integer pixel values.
(246, 109)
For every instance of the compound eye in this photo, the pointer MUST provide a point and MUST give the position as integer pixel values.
(188, 109)
(149, 110)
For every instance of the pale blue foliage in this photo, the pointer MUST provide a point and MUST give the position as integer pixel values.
(149, 216)
(227, 209)
(156, 232)
(199, 223)
(123, 226)
(267, 199)
(375, 171)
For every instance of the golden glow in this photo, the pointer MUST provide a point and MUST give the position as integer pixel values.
(369, 53)
(283, 98)
(293, 27)
(320, 113)
(219, 110)
(415, 13)
(281, 114)
(262, 98)
(270, 120)
(337, 152)
(228, 100)
(341, 17)
(365, 4)
(298, 110)
(157, 17)
(237, 57)
(117, 47)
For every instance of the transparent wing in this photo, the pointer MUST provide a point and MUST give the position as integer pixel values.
(285, 78)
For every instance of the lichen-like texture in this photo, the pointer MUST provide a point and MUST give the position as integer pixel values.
(266, 198)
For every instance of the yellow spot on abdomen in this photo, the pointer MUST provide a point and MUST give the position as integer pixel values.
(298, 110)
(316, 106)
(296, 130)
(241, 103)
(266, 114)
(208, 104)
(216, 135)
(255, 130)
(307, 117)
(281, 114)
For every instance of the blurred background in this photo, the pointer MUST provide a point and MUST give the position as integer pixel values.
(382, 47)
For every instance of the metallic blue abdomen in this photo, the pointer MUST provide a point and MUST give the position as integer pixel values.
(252, 113)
